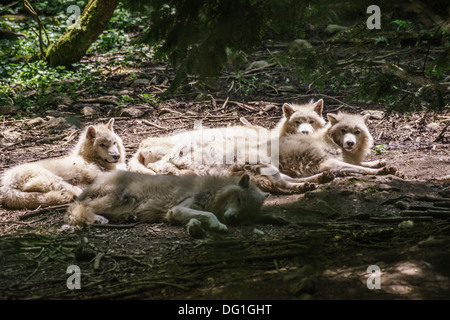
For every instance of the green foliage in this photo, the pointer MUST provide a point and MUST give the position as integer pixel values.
(403, 25)
(195, 34)
(380, 149)
(29, 84)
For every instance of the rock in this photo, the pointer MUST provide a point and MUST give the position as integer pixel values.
(257, 65)
(140, 82)
(386, 187)
(235, 59)
(34, 122)
(434, 126)
(62, 99)
(334, 28)
(11, 135)
(9, 110)
(374, 114)
(402, 204)
(258, 232)
(406, 224)
(56, 123)
(131, 112)
(89, 111)
(122, 92)
(297, 46)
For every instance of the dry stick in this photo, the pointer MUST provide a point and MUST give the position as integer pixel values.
(154, 125)
(39, 211)
(115, 226)
(99, 100)
(401, 219)
(97, 260)
(241, 105)
(441, 135)
(443, 214)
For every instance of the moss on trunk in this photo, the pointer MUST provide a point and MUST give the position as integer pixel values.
(72, 45)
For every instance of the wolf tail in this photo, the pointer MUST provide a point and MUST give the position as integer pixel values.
(13, 198)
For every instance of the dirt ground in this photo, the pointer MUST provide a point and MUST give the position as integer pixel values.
(400, 224)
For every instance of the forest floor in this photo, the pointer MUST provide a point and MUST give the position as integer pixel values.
(335, 233)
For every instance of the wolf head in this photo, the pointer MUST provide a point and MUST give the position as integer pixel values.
(305, 118)
(350, 133)
(99, 144)
(239, 202)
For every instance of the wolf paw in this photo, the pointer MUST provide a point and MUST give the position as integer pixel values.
(303, 187)
(326, 176)
(217, 226)
(195, 229)
(381, 163)
(388, 170)
(100, 220)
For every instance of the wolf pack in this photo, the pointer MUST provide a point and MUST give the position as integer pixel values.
(206, 179)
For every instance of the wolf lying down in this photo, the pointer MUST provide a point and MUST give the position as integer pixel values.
(201, 202)
(60, 180)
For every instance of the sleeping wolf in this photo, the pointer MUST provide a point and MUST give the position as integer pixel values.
(303, 159)
(59, 180)
(338, 149)
(201, 202)
(297, 118)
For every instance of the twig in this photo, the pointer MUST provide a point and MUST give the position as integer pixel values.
(441, 135)
(154, 125)
(39, 211)
(99, 100)
(115, 226)
(401, 219)
(97, 260)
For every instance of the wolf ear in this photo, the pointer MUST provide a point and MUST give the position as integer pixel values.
(318, 108)
(332, 118)
(245, 181)
(366, 118)
(287, 110)
(90, 133)
(110, 124)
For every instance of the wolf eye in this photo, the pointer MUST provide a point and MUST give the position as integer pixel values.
(102, 145)
(311, 121)
(343, 131)
(297, 122)
(357, 132)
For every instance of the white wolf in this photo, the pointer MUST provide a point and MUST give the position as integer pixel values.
(59, 180)
(201, 202)
(298, 118)
(339, 149)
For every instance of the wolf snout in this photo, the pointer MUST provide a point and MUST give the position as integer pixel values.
(350, 144)
(230, 216)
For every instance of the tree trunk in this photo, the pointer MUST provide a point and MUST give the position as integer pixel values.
(72, 45)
